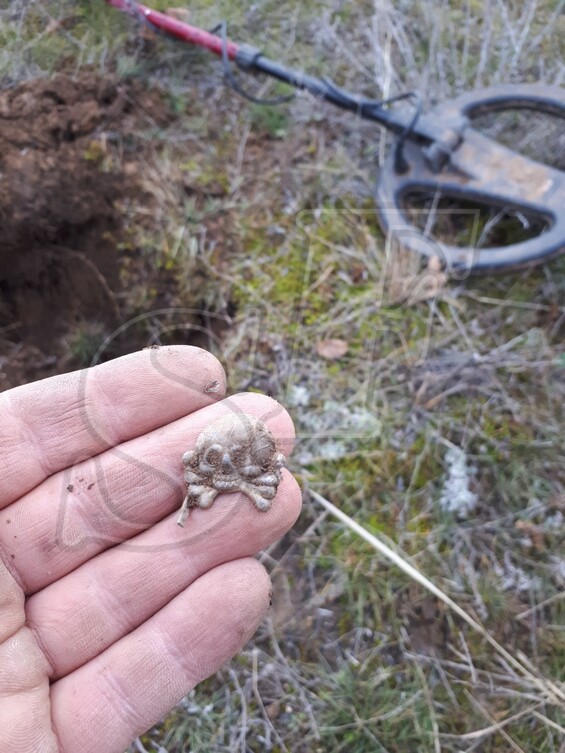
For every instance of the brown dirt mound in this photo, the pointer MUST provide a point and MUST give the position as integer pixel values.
(60, 225)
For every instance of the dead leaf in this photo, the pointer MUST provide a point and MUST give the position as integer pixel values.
(53, 26)
(273, 710)
(180, 14)
(427, 285)
(131, 168)
(332, 349)
(533, 532)
(282, 608)
(61, 23)
(434, 264)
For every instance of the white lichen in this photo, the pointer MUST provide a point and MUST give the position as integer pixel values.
(514, 578)
(555, 522)
(298, 396)
(456, 495)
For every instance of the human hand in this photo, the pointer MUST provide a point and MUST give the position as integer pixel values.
(109, 612)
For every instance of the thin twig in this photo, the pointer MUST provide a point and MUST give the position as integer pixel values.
(541, 605)
(259, 700)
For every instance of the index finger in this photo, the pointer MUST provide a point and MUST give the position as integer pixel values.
(52, 424)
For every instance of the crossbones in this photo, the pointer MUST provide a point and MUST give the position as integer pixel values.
(236, 453)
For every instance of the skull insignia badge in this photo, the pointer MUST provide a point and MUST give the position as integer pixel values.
(236, 453)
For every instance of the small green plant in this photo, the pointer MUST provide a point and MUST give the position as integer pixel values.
(271, 120)
(84, 342)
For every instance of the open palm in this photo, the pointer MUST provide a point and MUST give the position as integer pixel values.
(109, 612)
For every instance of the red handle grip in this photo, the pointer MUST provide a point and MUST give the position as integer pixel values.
(177, 29)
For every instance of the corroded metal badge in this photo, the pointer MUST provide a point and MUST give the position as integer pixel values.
(236, 453)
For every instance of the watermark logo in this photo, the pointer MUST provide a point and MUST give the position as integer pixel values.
(136, 483)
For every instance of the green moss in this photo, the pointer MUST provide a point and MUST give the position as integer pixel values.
(84, 342)
(270, 121)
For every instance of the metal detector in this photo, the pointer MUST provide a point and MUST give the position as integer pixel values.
(440, 155)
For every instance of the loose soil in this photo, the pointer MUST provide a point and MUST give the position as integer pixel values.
(60, 217)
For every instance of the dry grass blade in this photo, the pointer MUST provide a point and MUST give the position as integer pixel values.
(512, 743)
(552, 691)
(479, 733)
(549, 722)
